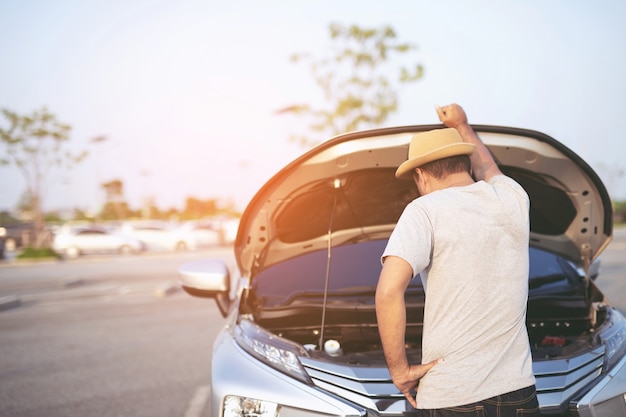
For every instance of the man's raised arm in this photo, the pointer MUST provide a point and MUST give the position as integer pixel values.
(483, 165)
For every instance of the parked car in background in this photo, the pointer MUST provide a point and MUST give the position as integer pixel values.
(301, 322)
(159, 235)
(205, 233)
(2, 250)
(72, 242)
(229, 227)
(215, 231)
(16, 234)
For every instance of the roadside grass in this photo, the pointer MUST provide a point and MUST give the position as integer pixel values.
(37, 253)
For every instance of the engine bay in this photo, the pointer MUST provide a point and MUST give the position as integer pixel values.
(296, 300)
(558, 325)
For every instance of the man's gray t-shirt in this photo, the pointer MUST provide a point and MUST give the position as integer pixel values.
(470, 246)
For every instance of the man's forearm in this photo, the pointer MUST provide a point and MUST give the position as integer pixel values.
(483, 165)
(391, 315)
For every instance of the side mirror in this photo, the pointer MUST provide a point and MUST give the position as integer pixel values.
(208, 279)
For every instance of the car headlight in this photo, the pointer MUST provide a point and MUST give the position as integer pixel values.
(614, 338)
(236, 406)
(279, 353)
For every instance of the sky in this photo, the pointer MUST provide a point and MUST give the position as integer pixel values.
(186, 92)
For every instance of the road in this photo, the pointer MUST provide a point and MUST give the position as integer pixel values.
(612, 279)
(105, 337)
(112, 336)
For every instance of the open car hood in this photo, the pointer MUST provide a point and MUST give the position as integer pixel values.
(345, 190)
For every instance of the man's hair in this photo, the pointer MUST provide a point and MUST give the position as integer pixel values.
(441, 168)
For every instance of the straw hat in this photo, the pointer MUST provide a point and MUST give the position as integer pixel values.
(429, 146)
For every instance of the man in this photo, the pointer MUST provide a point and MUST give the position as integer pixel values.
(468, 241)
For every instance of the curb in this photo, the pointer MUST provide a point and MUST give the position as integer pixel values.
(71, 283)
(166, 289)
(8, 302)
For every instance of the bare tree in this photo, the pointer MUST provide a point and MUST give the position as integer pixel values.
(115, 206)
(359, 79)
(35, 144)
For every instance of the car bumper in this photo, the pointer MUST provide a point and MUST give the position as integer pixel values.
(236, 373)
(607, 398)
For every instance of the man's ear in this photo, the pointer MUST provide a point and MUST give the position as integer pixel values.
(419, 175)
(415, 176)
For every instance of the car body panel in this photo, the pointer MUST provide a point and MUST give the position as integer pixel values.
(603, 399)
(231, 363)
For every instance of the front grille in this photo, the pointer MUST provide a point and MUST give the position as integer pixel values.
(371, 387)
(559, 379)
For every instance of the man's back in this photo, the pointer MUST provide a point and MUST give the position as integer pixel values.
(469, 241)
(475, 271)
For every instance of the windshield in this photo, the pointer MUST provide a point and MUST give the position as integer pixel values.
(354, 265)
(355, 268)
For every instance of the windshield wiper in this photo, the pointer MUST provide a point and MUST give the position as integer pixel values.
(325, 294)
(344, 292)
(546, 279)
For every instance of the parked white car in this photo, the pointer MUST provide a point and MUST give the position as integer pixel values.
(229, 229)
(160, 236)
(206, 234)
(73, 242)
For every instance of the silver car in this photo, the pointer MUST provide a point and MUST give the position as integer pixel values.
(73, 242)
(159, 236)
(301, 337)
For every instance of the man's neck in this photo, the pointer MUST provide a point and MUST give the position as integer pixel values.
(460, 179)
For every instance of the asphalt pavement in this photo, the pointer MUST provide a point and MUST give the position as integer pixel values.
(41, 277)
(9, 301)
